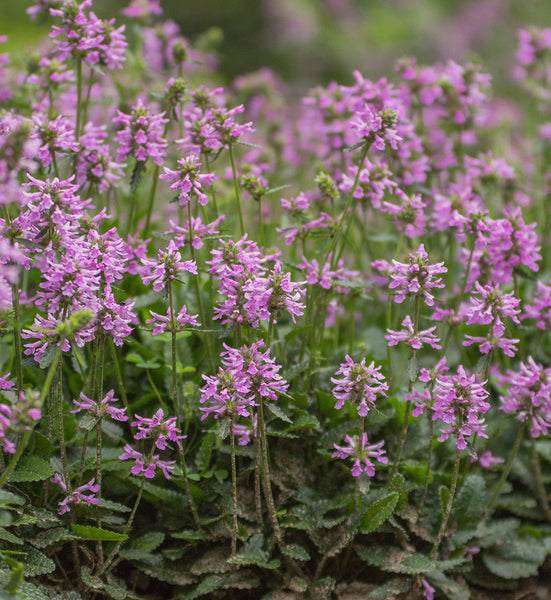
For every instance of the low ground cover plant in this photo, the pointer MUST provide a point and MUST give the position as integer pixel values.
(255, 349)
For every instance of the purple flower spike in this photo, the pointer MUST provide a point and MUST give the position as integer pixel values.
(361, 453)
(359, 385)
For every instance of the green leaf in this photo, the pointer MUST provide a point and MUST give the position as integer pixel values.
(398, 484)
(36, 563)
(87, 532)
(276, 411)
(253, 554)
(149, 541)
(378, 512)
(113, 506)
(390, 590)
(202, 459)
(8, 536)
(32, 468)
(515, 559)
(188, 535)
(413, 367)
(53, 536)
(469, 503)
(295, 551)
(444, 494)
(207, 586)
(88, 422)
(8, 498)
(396, 560)
(322, 588)
(136, 175)
(304, 422)
(451, 588)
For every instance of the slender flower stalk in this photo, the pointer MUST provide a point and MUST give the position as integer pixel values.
(506, 470)
(447, 512)
(27, 435)
(236, 190)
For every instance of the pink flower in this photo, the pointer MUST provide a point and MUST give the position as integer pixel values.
(159, 429)
(188, 180)
(148, 465)
(416, 278)
(361, 452)
(101, 408)
(414, 339)
(141, 135)
(166, 268)
(77, 496)
(359, 385)
(459, 402)
(181, 320)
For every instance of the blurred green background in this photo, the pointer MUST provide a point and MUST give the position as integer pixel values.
(310, 42)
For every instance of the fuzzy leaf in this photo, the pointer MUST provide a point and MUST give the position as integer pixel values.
(202, 459)
(8, 536)
(395, 560)
(168, 575)
(413, 367)
(25, 591)
(113, 506)
(53, 536)
(149, 541)
(304, 422)
(322, 588)
(378, 512)
(469, 503)
(87, 422)
(137, 171)
(390, 590)
(8, 499)
(188, 535)
(276, 411)
(398, 484)
(207, 586)
(515, 559)
(451, 588)
(295, 551)
(253, 554)
(32, 468)
(36, 563)
(87, 532)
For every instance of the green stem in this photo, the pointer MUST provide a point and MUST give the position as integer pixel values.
(236, 189)
(265, 473)
(506, 470)
(429, 461)
(62, 449)
(539, 482)
(79, 99)
(173, 348)
(122, 390)
(448, 506)
(211, 188)
(235, 527)
(260, 221)
(336, 237)
(192, 505)
(152, 194)
(26, 436)
(107, 564)
(17, 339)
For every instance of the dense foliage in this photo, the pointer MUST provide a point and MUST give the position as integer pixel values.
(257, 349)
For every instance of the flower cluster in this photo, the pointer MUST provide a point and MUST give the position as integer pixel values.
(359, 385)
(459, 400)
(77, 496)
(248, 374)
(360, 451)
